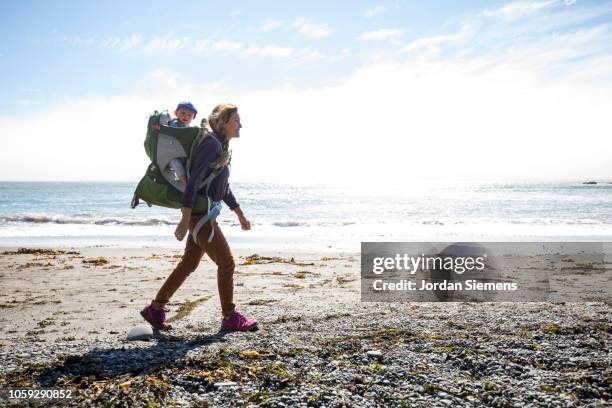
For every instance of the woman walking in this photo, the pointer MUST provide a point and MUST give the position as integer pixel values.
(209, 174)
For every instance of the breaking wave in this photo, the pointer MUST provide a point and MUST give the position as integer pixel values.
(46, 219)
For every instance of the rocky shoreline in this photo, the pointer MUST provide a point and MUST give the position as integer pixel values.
(65, 316)
(371, 355)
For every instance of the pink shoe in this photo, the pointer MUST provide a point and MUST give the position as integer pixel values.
(157, 318)
(238, 322)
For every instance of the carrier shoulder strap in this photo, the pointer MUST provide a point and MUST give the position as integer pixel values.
(205, 131)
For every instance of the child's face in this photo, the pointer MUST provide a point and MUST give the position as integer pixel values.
(185, 116)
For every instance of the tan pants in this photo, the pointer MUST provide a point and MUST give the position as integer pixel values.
(218, 250)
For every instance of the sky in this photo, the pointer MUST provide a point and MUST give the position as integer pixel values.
(327, 91)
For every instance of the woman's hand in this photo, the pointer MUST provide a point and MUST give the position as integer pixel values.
(183, 225)
(181, 229)
(244, 223)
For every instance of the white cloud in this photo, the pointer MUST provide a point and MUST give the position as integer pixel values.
(110, 152)
(269, 50)
(453, 119)
(164, 76)
(111, 42)
(530, 107)
(431, 46)
(306, 55)
(374, 11)
(201, 44)
(519, 9)
(382, 34)
(269, 24)
(302, 25)
(544, 33)
(549, 19)
(77, 40)
(562, 48)
(310, 29)
(130, 42)
(449, 120)
(168, 43)
(227, 45)
(89, 148)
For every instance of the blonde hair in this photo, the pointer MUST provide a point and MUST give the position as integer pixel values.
(220, 115)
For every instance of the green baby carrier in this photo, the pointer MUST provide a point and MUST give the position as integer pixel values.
(163, 143)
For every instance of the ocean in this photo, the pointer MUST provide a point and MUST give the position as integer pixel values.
(310, 217)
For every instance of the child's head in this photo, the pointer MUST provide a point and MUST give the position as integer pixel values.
(185, 112)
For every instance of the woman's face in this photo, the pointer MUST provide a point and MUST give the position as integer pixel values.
(231, 129)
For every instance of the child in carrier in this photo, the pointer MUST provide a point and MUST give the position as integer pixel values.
(185, 112)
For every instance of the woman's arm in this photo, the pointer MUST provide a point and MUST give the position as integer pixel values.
(244, 222)
(229, 198)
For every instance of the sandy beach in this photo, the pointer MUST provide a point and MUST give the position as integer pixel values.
(65, 314)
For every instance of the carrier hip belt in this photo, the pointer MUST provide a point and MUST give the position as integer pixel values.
(212, 213)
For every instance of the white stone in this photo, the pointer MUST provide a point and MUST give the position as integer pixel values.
(140, 333)
(225, 384)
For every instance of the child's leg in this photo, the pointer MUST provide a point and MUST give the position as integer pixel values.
(179, 169)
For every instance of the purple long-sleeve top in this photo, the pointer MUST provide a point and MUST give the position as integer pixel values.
(206, 152)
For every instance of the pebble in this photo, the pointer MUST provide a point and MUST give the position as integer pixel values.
(225, 384)
(142, 332)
